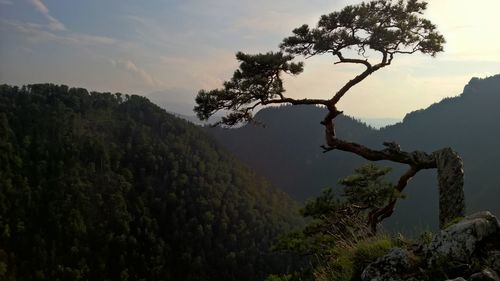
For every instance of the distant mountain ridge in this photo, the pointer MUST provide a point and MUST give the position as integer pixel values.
(379, 123)
(177, 102)
(287, 150)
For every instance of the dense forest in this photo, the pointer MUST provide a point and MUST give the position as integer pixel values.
(100, 186)
(467, 123)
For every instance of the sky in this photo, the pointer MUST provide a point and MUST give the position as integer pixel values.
(170, 49)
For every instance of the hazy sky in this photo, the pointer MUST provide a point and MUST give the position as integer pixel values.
(181, 46)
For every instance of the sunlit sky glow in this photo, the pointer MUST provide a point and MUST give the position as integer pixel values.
(180, 46)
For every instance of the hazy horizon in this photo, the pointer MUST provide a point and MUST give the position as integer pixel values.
(179, 47)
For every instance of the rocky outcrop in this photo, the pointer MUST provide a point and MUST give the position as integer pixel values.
(389, 267)
(468, 250)
(451, 185)
(461, 241)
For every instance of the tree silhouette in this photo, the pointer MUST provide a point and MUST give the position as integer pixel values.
(387, 28)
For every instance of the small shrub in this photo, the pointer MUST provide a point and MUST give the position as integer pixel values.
(347, 263)
(426, 238)
(401, 241)
(340, 266)
(368, 251)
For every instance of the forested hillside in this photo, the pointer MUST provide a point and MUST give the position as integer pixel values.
(287, 150)
(100, 186)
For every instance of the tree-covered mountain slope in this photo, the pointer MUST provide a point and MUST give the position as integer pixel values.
(100, 186)
(287, 150)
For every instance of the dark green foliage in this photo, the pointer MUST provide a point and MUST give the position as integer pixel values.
(386, 26)
(343, 219)
(257, 81)
(368, 251)
(99, 186)
(368, 188)
(346, 263)
(337, 240)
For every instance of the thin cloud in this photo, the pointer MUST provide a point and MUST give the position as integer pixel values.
(6, 2)
(271, 22)
(25, 50)
(54, 24)
(207, 72)
(32, 31)
(85, 39)
(148, 30)
(40, 6)
(134, 69)
(36, 33)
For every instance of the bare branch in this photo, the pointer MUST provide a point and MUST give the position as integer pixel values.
(349, 60)
(296, 102)
(350, 84)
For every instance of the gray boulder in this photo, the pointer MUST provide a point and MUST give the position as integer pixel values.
(466, 247)
(390, 267)
(459, 241)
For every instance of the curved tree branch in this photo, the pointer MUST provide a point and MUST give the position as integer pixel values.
(349, 60)
(295, 101)
(385, 26)
(369, 70)
(376, 216)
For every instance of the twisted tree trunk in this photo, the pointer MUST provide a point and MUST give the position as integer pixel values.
(448, 164)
